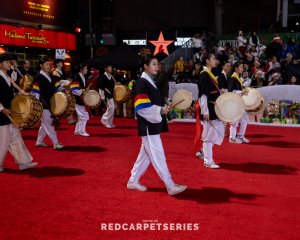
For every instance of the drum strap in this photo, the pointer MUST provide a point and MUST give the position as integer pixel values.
(238, 78)
(212, 76)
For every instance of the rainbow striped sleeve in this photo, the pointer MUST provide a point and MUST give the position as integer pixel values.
(36, 88)
(74, 86)
(141, 101)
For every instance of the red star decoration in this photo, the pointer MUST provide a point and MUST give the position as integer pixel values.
(161, 44)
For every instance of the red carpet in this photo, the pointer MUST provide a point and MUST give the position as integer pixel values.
(255, 195)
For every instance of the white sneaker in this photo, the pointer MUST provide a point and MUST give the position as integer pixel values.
(1, 169)
(244, 140)
(58, 146)
(84, 134)
(42, 144)
(176, 189)
(103, 122)
(136, 186)
(200, 155)
(212, 165)
(27, 165)
(236, 141)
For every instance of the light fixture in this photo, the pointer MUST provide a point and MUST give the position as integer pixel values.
(2, 45)
(26, 47)
(297, 23)
(48, 49)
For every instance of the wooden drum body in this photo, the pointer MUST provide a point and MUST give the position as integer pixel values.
(62, 104)
(26, 111)
(121, 93)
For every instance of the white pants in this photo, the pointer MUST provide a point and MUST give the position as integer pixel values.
(213, 133)
(83, 117)
(243, 122)
(47, 128)
(152, 152)
(108, 116)
(11, 140)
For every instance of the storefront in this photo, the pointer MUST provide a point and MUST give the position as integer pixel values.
(32, 29)
(32, 44)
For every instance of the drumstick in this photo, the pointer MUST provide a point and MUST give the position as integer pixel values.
(13, 122)
(17, 87)
(221, 135)
(175, 104)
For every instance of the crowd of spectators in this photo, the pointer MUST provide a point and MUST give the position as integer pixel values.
(264, 65)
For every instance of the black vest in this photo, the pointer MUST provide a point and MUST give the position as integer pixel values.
(208, 88)
(6, 96)
(108, 84)
(78, 79)
(47, 89)
(142, 86)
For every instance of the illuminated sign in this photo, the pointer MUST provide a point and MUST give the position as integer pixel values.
(143, 42)
(30, 37)
(52, 12)
(136, 42)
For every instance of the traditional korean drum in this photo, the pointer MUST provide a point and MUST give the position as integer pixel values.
(229, 107)
(252, 99)
(182, 99)
(91, 98)
(261, 107)
(26, 111)
(62, 104)
(121, 93)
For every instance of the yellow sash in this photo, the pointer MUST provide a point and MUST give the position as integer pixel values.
(238, 78)
(212, 76)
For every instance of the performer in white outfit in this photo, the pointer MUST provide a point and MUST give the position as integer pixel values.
(213, 128)
(107, 84)
(78, 87)
(10, 136)
(43, 89)
(236, 85)
(149, 116)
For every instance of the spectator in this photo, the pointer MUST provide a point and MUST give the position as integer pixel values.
(273, 65)
(179, 65)
(197, 43)
(223, 77)
(274, 79)
(245, 79)
(162, 83)
(242, 42)
(259, 80)
(26, 69)
(293, 80)
(275, 47)
(254, 39)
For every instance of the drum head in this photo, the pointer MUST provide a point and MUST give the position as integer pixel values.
(20, 109)
(259, 109)
(252, 99)
(229, 107)
(184, 96)
(91, 98)
(58, 103)
(120, 93)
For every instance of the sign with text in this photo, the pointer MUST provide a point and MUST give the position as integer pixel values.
(30, 37)
(52, 12)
